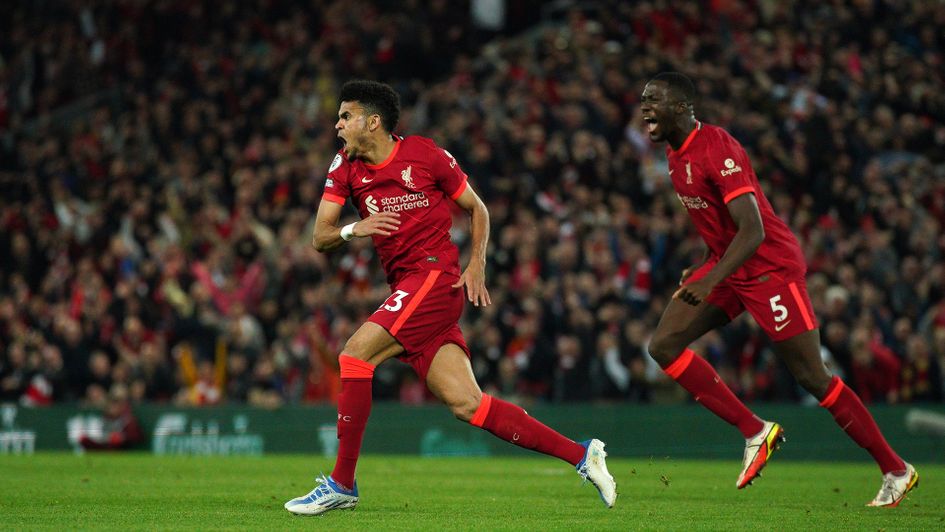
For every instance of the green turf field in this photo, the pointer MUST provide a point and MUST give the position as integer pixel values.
(63, 491)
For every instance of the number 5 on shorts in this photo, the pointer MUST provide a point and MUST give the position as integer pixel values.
(780, 311)
(396, 301)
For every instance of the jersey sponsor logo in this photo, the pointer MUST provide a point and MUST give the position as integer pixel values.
(335, 163)
(405, 202)
(371, 205)
(778, 328)
(692, 202)
(688, 172)
(730, 168)
(405, 175)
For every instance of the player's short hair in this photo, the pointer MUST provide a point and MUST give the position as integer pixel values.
(680, 86)
(377, 98)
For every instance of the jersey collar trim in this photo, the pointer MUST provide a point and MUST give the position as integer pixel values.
(691, 136)
(393, 153)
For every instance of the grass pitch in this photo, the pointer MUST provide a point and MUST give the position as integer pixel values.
(139, 491)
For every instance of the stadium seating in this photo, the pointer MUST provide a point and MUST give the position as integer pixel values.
(160, 167)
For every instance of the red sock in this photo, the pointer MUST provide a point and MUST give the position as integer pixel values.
(515, 426)
(856, 421)
(699, 378)
(354, 408)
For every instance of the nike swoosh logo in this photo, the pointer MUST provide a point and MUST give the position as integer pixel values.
(366, 180)
(670, 172)
(777, 328)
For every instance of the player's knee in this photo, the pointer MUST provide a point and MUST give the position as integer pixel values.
(815, 382)
(464, 408)
(354, 348)
(664, 349)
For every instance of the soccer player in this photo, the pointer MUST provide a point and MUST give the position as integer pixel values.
(752, 262)
(403, 188)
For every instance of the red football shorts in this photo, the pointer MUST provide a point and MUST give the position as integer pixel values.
(422, 314)
(777, 301)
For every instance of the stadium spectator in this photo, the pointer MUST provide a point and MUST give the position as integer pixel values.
(120, 430)
(141, 140)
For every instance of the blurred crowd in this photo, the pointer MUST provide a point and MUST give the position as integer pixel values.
(155, 238)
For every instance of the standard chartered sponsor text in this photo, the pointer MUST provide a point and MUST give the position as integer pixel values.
(692, 202)
(405, 202)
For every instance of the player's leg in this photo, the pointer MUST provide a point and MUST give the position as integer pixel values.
(370, 345)
(801, 354)
(451, 379)
(783, 309)
(682, 324)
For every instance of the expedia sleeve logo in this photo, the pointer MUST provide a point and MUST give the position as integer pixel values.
(730, 168)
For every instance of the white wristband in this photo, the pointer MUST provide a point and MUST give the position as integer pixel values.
(347, 232)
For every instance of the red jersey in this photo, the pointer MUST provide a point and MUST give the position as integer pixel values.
(711, 169)
(417, 181)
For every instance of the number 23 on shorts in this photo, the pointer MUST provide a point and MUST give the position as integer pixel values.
(395, 302)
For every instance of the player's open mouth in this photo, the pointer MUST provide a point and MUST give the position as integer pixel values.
(651, 124)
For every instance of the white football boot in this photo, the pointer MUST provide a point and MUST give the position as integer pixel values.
(593, 467)
(895, 488)
(327, 495)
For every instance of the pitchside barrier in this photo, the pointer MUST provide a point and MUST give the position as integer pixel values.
(679, 431)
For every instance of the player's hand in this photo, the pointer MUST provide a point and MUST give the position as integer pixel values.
(379, 223)
(695, 292)
(475, 280)
(687, 273)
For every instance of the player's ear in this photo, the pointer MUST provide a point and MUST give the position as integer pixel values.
(374, 122)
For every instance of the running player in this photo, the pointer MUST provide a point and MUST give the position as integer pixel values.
(753, 262)
(403, 188)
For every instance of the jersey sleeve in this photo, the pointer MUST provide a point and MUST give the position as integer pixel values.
(729, 168)
(446, 172)
(337, 188)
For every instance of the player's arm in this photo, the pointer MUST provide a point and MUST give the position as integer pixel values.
(327, 236)
(475, 275)
(750, 235)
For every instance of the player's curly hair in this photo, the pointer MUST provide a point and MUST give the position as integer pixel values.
(377, 98)
(680, 86)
